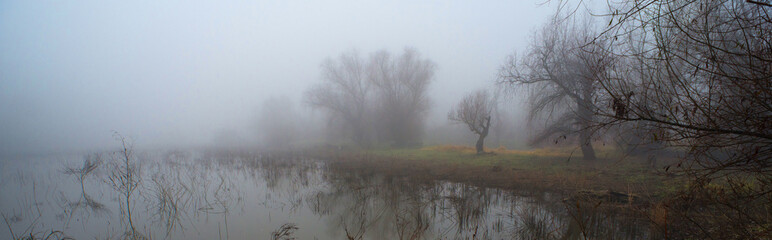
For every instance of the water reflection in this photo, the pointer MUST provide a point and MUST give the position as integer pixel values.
(85, 206)
(242, 195)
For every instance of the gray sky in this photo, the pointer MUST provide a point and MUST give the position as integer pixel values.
(177, 72)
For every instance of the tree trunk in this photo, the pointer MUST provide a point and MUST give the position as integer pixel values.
(585, 142)
(483, 134)
(585, 122)
(480, 143)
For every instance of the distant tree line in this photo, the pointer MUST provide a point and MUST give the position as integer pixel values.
(381, 99)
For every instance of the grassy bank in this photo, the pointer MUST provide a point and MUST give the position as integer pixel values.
(556, 169)
(675, 206)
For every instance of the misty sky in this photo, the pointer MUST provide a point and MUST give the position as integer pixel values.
(176, 73)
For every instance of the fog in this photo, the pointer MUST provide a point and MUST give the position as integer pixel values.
(188, 74)
(386, 120)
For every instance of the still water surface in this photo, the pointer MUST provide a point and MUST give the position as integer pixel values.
(229, 195)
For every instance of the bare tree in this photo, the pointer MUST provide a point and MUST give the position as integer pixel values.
(344, 93)
(400, 87)
(474, 110)
(699, 75)
(562, 78)
(704, 75)
(384, 95)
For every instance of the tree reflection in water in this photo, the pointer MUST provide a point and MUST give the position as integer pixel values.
(256, 195)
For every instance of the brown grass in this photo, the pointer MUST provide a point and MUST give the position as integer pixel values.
(551, 169)
(541, 152)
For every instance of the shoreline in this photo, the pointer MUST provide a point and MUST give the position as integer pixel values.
(606, 179)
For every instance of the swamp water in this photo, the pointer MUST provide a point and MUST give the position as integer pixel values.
(226, 195)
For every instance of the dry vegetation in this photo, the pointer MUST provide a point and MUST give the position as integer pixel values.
(554, 169)
(615, 184)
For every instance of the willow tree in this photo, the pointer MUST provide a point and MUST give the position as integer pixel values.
(381, 98)
(700, 73)
(344, 94)
(400, 87)
(474, 111)
(562, 77)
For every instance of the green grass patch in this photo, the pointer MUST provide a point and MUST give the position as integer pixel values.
(610, 171)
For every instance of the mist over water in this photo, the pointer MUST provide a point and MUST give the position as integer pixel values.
(195, 195)
(386, 119)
